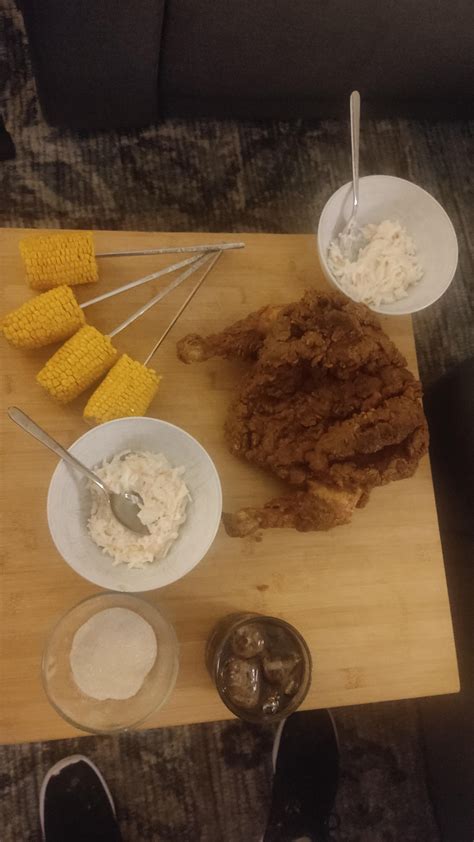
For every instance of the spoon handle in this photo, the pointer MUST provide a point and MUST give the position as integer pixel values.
(30, 426)
(355, 134)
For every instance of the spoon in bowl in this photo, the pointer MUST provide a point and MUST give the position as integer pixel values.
(351, 239)
(125, 506)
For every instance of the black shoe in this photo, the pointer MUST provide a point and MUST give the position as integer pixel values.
(306, 763)
(76, 805)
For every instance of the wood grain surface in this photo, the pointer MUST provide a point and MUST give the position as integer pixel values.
(369, 597)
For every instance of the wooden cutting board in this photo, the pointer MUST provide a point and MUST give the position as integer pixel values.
(370, 597)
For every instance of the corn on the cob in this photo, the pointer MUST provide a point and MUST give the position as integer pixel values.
(47, 318)
(84, 358)
(65, 257)
(128, 389)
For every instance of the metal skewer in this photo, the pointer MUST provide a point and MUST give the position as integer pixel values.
(154, 275)
(202, 259)
(173, 250)
(212, 262)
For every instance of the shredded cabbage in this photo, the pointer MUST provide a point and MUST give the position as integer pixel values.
(165, 497)
(385, 268)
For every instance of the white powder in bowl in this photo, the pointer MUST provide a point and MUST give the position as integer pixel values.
(385, 268)
(165, 497)
(112, 653)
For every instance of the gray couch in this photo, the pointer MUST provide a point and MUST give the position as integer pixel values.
(123, 63)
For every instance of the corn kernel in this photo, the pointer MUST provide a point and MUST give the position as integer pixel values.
(64, 257)
(47, 318)
(128, 389)
(77, 364)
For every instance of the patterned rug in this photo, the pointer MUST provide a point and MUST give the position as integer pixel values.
(213, 782)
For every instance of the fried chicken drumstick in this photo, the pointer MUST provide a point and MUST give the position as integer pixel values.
(327, 405)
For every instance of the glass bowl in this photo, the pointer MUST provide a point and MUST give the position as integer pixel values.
(110, 715)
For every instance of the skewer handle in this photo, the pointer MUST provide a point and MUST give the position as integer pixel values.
(174, 250)
(212, 262)
(175, 283)
(154, 275)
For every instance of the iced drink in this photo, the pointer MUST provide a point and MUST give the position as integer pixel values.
(261, 666)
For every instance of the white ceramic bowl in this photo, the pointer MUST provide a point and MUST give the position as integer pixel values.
(386, 197)
(69, 504)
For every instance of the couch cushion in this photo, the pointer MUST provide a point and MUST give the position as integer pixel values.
(315, 50)
(96, 63)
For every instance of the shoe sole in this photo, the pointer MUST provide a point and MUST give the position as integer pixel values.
(63, 764)
(277, 740)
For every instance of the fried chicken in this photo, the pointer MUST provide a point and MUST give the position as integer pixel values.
(327, 405)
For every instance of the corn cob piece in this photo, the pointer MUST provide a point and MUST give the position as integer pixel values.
(128, 389)
(77, 364)
(130, 386)
(65, 257)
(47, 318)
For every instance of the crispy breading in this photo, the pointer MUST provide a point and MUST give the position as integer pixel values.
(328, 406)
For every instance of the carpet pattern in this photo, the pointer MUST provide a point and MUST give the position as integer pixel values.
(213, 782)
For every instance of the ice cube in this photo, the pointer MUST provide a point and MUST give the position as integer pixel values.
(291, 685)
(278, 668)
(241, 681)
(247, 641)
(271, 703)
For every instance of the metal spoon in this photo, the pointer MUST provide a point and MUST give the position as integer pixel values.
(125, 506)
(351, 239)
